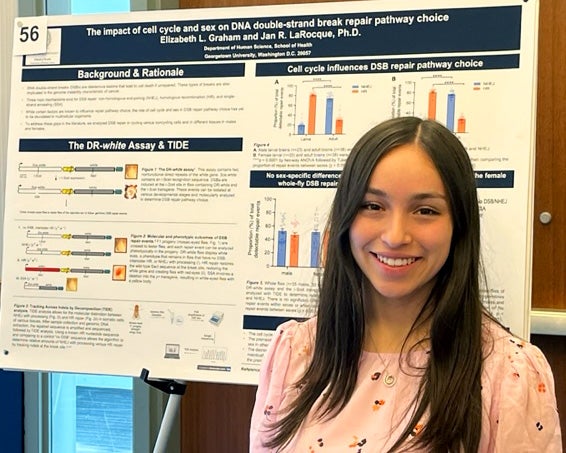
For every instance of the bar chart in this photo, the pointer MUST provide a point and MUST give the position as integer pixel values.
(324, 108)
(455, 125)
(453, 101)
(288, 245)
(315, 110)
(297, 239)
(333, 123)
(297, 245)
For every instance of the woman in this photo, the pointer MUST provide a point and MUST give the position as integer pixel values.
(401, 355)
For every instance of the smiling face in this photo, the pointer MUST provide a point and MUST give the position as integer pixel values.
(401, 235)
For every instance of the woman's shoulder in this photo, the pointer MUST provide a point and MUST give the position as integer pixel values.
(502, 346)
(295, 338)
(501, 340)
(291, 345)
(508, 357)
(297, 330)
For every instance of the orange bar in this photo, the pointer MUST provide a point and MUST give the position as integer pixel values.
(339, 125)
(432, 104)
(312, 114)
(461, 124)
(324, 247)
(294, 250)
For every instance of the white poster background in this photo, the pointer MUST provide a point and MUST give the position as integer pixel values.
(169, 173)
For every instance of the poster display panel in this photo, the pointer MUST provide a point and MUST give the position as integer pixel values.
(169, 174)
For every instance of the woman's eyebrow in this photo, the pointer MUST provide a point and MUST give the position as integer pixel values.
(417, 196)
(429, 195)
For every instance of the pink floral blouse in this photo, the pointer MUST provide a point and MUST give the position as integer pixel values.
(519, 403)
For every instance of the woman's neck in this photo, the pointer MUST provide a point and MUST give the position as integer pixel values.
(390, 327)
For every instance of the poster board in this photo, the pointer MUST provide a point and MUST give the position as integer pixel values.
(169, 173)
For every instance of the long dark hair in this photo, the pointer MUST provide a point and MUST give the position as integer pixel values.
(450, 390)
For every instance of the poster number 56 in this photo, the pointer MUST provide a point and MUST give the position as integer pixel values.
(30, 35)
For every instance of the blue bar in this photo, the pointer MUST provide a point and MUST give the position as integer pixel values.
(281, 247)
(315, 248)
(301, 129)
(450, 111)
(255, 322)
(329, 111)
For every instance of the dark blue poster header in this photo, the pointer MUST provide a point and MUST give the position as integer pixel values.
(338, 35)
(132, 144)
(144, 72)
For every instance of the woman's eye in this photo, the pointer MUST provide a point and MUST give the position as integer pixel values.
(426, 211)
(369, 206)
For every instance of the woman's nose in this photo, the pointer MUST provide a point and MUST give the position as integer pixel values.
(395, 230)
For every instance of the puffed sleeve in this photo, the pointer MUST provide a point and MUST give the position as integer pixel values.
(528, 417)
(282, 365)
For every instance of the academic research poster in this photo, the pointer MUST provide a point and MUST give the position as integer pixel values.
(169, 174)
